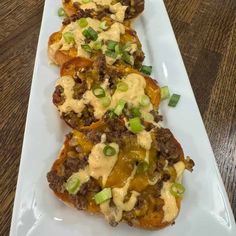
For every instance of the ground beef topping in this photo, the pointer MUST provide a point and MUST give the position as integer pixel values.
(167, 145)
(58, 97)
(55, 182)
(80, 88)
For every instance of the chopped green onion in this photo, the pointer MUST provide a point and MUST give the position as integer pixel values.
(111, 54)
(142, 167)
(61, 12)
(103, 25)
(120, 106)
(165, 93)
(97, 45)
(135, 125)
(135, 112)
(109, 151)
(82, 22)
(111, 44)
(72, 185)
(174, 100)
(86, 1)
(111, 114)
(98, 91)
(177, 190)
(105, 101)
(126, 46)
(146, 69)
(145, 100)
(122, 86)
(103, 195)
(126, 57)
(117, 49)
(86, 48)
(148, 117)
(69, 37)
(90, 33)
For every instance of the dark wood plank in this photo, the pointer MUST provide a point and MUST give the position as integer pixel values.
(206, 33)
(20, 23)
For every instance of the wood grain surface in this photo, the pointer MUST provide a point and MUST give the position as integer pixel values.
(206, 34)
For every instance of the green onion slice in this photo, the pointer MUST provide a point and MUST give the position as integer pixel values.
(98, 91)
(145, 101)
(103, 26)
(142, 167)
(148, 117)
(165, 93)
(86, 1)
(61, 12)
(122, 86)
(82, 22)
(135, 112)
(174, 99)
(127, 46)
(105, 101)
(120, 106)
(117, 49)
(146, 69)
(111, 114)
(103, 196)
(69, 37)
(126, 57)
(72, 185)
(97, 45)
(87, 48)
(177, 190)
(109, 151)
(135, 125)
(90, 33)
(111, 44)
(111, 54)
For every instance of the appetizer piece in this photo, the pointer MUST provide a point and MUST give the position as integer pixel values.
(87, 37)
(135, 178)
(88, 93)
(118, 10)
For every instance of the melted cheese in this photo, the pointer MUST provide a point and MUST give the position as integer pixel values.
(119, 12)
(179, 168)
(120, 193)
(170, 206)
(136, 89)
(83, 175)
(93, 3)
(113, 33)
(70, 104)
(115, 213)
(101, 165)
(110, 213)
(144, 139)
(117, 9)
(89, 98)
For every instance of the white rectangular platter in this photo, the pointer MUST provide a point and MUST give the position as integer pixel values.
(205, 209)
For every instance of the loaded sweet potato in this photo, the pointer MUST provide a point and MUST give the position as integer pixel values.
(119, 10)
(89, 93)
(135, 178)
(83, 36)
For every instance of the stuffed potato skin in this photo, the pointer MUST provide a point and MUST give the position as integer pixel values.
(134, 8)
(83, 74)
(59, 53)
(148, 212)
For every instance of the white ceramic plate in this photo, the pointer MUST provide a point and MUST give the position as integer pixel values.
(205, 209)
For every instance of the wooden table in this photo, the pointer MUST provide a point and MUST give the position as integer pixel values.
(206, 33)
